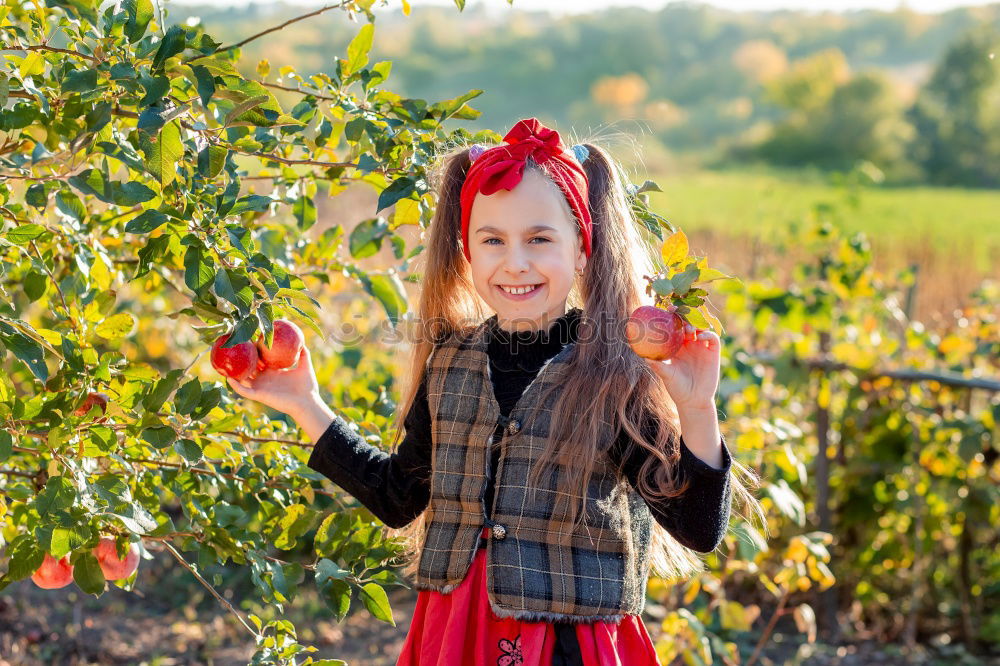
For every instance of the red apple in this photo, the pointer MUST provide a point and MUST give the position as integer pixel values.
(113, 567)
(53, 573)
(238, 361)
(655, 333)
(100, 399)
(285, 348)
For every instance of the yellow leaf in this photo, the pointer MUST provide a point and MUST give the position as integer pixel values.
(116, 326)
(32, 65)
(797, 550)
(54, 338)
(692, 591)
(407, 212)
(712, 320)
(406, 8)
(733, 615)
(100, 273)
(709, 274)
(675, 248)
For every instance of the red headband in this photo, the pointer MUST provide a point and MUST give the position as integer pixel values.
(501, 167)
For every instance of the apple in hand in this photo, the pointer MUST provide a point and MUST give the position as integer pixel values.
(655, 333)
(113, 567)
(100, 399)
(53, 573)
(285, 348)
(238, 361)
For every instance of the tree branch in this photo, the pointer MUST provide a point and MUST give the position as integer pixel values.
(53, 49)
(274, 29)
(219, 597)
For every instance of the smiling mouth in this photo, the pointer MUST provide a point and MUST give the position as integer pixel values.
(520, 291)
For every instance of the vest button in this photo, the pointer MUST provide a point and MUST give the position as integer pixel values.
(499, 532)
(514, 427)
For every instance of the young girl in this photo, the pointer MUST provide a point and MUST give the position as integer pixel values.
(546, 468)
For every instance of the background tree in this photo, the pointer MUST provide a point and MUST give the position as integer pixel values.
(957, 115)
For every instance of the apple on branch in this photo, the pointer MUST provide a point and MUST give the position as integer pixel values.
(285, 348)
(53, 574)
(114, 567)
(238, 361)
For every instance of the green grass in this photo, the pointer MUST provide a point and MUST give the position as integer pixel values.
(763, 202)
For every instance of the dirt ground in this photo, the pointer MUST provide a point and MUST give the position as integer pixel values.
(166, 622)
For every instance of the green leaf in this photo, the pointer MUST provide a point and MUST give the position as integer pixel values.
(749, 541)
(389, 291)
(252, 202)
(6, 445)
(158, 436)
(244, 330)
(235, 288)
(305, 212)
(155, 247)
(187, 397)
(199, 268)
(25, 557)
(140, 13)
(87, 573)
(211, 160)
(59, 495)
(37, 196)
(28, 351)
(25, 233)
(366, 238)
(161, 391)
(80, 80)
(189, 449)
(145, 222)
(453, 107)
(135, 518)
(377, 602)
(357, 50)
(334, 590)
(205, 82)
(117, 326)
(398, 189)
(244, 107)
(70, 205)
(295, 521)
(163, 154)
(172, 44)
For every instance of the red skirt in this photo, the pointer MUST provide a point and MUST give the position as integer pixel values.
(461, 628)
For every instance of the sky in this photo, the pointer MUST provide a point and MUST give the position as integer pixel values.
(579, 6)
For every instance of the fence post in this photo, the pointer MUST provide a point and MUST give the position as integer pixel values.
(827, 611)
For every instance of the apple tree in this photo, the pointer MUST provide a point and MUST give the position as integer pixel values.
(147, 178)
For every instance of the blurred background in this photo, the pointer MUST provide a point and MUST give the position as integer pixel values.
(743, 117)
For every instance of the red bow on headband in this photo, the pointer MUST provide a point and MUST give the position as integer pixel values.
(502, 167)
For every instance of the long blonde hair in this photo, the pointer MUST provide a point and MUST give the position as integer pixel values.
(602, 369)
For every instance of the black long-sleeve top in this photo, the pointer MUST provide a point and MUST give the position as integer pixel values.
(396, 486)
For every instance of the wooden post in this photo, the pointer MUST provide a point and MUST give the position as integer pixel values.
(828, 627)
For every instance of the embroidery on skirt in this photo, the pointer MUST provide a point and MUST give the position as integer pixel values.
(511, 652)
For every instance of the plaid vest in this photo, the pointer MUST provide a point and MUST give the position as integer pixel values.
(538, 568)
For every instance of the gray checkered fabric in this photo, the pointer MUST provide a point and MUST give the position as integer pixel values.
(538, 566)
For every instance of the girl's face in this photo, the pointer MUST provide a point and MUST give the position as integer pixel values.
(525, 237)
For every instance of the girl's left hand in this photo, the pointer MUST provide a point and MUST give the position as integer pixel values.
(691, 377)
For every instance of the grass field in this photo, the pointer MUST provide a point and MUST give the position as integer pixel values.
(735, 217)
(762, 202)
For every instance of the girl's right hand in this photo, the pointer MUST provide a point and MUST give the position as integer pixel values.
(288, 390)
